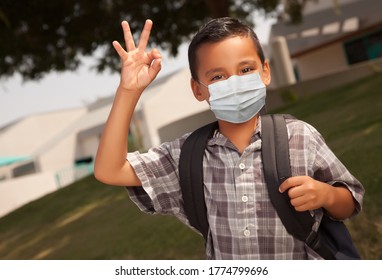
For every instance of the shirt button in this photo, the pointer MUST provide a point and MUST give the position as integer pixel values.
(247, 233)
(244, 198)
(241, 166)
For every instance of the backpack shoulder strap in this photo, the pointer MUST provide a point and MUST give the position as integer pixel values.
(191, 177)
(276, 167)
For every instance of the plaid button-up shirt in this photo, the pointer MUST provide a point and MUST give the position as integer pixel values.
(243, 223)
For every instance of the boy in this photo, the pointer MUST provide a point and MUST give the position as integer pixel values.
(228, 71)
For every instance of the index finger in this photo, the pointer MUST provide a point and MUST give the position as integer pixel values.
(290, 183)
(143, 40)
(129, 41)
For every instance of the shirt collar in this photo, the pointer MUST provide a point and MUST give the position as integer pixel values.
(220, 140)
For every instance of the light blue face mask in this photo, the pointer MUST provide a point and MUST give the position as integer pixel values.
(237, 99)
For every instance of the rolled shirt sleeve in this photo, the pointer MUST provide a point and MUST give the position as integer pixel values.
(323, 165)
(157, 170)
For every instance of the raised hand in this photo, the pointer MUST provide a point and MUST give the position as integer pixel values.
(139, 68)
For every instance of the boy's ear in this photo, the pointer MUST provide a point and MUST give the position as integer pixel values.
(195, 86)
(266, 73)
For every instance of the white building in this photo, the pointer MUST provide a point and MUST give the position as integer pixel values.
(332, 38)
(44, 152)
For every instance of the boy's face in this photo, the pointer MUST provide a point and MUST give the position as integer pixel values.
(218, 61)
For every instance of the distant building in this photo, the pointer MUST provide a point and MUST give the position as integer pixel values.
(44, 152)
(58, 139)
(331, 38)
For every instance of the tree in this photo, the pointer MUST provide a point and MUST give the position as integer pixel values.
(39, 36)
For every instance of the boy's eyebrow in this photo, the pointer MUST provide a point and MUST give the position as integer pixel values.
(248, 61)
(214, 70)
(221, 69)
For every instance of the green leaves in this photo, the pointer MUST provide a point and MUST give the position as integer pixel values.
(39, 36)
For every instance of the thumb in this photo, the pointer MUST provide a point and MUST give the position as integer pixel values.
(156, 62)
(155, 67)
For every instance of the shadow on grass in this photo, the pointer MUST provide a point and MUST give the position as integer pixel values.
(89, 220)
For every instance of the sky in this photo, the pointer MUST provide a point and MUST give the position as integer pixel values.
(58, 91)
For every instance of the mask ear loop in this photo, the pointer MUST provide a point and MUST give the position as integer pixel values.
(202, 84)
(263, 110)
(199, 82)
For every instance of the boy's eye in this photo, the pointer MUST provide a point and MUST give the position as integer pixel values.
(246, 70)
(217, 77)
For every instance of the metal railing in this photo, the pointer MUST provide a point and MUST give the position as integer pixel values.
(72, 174)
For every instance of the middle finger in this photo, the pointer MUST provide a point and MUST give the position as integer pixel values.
(145, 35)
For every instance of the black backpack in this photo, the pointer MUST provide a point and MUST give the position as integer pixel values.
(332, 241)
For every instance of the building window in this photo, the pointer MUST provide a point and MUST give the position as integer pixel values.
(84, 160)
(365, 48)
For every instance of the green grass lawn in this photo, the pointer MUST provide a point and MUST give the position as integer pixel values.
(89, 220)
(350, 119)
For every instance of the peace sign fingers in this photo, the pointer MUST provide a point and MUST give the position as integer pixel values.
(129, 40)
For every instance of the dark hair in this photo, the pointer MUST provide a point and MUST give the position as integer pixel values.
(217, 30)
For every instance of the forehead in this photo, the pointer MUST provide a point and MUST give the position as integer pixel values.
(226, 53)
